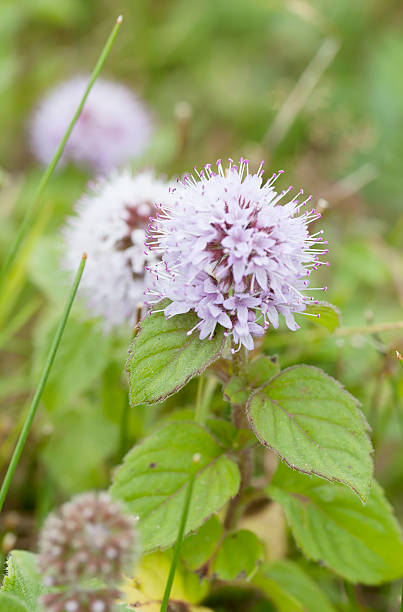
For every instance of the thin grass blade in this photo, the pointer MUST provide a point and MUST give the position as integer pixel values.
(9, 260)
(38, 393)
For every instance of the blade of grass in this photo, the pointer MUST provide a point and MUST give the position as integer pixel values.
(199, 418)
(38, 393)
(9, 260)
(301, 92)
(179, 539)
(200, 415)
(351, 596)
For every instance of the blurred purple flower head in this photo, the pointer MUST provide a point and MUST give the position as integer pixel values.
(88, 537)
(232, 253)
(113, 128)
(110, 225)
(78, 600)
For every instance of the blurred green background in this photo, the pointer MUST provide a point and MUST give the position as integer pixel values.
(311, 86)
(235, 63)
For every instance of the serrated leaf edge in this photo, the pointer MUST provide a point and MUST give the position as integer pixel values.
(164, 396)
(375, 485)
(13, 572)
(367, 428)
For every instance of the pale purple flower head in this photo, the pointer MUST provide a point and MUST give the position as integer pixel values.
(88, 537)
(110, 226)
(233, 253)
(113, 128)
(81, 600)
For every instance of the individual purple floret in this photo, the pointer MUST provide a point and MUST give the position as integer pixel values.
(113, 128)
(233, 253)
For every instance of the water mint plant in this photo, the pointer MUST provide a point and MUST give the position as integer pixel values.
(233, 252)
(245, 458)
(234, 257)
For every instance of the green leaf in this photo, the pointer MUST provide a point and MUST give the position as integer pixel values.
(259, 372)
(312, 423)
(163, 357)
(224, 431)
(262, 369)
(10, 603)
(329, 315)
(23, 579)
(237, 390)
(360, 542)
(198, 547)
(290, 588)
(154, 476)
(145, 590)
(238, 556)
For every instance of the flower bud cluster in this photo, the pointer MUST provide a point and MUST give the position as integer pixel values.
(113, 128)
(233, 253)
(110, 226)
(87, 538)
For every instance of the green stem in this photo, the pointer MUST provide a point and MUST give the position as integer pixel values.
(38, 393)
(309, 336)
(179, 539)
(239, 419)
(351, 596)
(200, 415)
(10, 257)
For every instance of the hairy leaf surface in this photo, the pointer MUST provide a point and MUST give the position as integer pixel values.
(163, 357)
(290, 588)
(330, 524)
(154, 476)
(315, 426)
(23, 579)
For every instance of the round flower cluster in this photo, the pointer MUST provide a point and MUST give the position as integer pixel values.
(76, 600)
(110, 226)
(232, 253)
(113, 127)
(89, 537)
